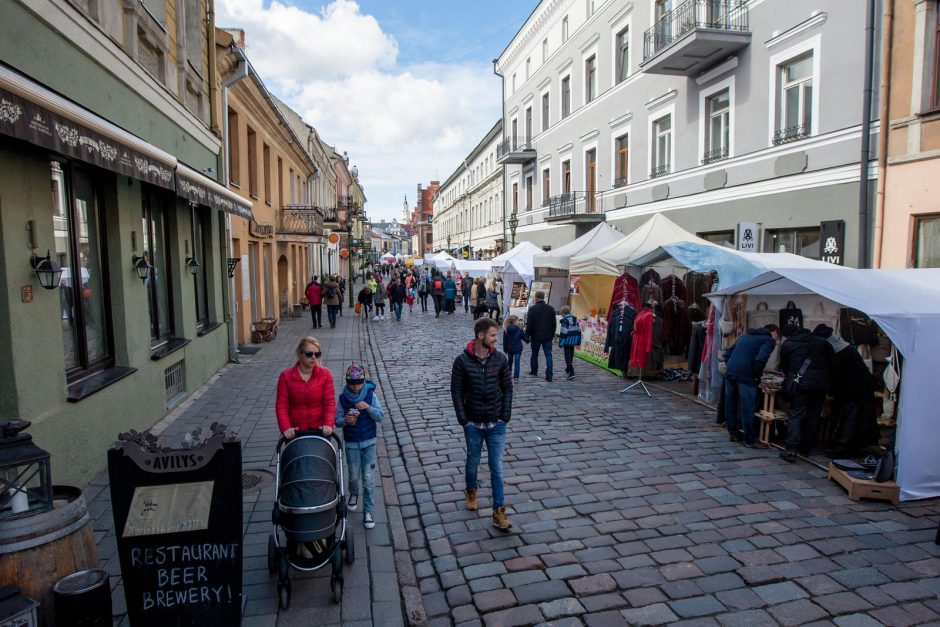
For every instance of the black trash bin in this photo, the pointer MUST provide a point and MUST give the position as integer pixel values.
(83, 599)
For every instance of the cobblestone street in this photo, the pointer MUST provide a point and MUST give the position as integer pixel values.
(627, 510)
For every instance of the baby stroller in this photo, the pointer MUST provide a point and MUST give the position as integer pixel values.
(309, 511)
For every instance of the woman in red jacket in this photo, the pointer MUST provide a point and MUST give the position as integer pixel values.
(305, 397)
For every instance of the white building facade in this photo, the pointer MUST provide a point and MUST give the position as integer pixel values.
(468, 206)
(716, 112)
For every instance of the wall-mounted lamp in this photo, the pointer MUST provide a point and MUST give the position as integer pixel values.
(47, 270)
(142, 267)
(193, 265)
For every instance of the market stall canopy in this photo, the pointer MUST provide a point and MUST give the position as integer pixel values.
(388, 257)
(520, 266)
(523, 250)
(906, 305)
(601, 236)
(652, 234)
(475, 268)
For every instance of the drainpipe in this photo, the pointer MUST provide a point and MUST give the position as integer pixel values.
(213, 85)
(502, 95)
(241, 72)
(864, 214)
(887, 53)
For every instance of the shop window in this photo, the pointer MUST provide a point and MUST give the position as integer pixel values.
(803, 241)
(156, 239)
(721, 238)
(927, 241)
(84, 290)
(202, 244)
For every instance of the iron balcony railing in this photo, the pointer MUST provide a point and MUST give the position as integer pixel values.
(691, 15)
(572, 203)
(300, 220)
(514, 144)
(620, 181)
(717, 154)
(791, 134)
(658, 171)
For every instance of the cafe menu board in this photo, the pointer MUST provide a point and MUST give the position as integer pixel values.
(179, 519)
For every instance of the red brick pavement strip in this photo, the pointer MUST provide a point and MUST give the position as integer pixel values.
(628, 510)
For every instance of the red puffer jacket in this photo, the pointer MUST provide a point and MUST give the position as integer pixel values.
(305, 404)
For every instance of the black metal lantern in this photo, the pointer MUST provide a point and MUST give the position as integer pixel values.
(192, 265)
(513, 225)
(47, 270)
(142, 267)
(25, 473)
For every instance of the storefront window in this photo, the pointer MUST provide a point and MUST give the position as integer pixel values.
(155, 229)
(803, 242)
(201, 244)
(722, 238)
(83, 289)
(927, 242)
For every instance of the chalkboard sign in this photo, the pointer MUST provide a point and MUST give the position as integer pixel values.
(178, 520)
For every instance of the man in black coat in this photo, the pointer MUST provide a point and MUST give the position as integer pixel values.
(481, 388)
(540, 325)
(806, 360)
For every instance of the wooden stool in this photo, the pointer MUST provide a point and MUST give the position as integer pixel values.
(767, 415)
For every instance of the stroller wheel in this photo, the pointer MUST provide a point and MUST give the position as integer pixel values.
(282, 568)
(272, 555)
(336, 587)
(349, 546)
(283, 595)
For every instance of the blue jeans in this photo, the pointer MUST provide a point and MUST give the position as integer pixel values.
(396, 309)
(740, 405)
(495, 439)
(516, 360)
(546, 348)
(361, 463)
(331, 314)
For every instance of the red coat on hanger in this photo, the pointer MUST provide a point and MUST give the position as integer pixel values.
(625, 288)
(642, 339)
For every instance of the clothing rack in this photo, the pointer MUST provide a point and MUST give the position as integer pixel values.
(638, 382)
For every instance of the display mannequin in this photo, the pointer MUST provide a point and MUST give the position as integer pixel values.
(620, 336)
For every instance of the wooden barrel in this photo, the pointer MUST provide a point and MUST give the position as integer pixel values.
(38, 550)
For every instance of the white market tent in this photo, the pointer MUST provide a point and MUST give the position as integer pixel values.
(906, 305)
(388, 257)
(475, 268)
(652, 234)
(523, 250)
(600, 237)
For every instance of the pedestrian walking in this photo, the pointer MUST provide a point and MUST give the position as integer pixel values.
(569, 336)
(397, 296)
(342, 294)
(513, 337)
(371, 282)
(305, 399)
(480, 297)
(806, 361)
(379, 298)
(540, 327)
(491, 300)
(423, 289)
(314, 294)
(331, 299)
(358, 412)
(465, 286)
(365, 301)
(481, 389)
(450, 294)
(437, 292)
(744, 365)
(410, 295)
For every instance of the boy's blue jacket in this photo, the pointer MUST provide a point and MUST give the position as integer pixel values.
(513, 337)
(362, 434)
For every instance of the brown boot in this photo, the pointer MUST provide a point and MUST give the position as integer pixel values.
(499, 519)
(471, 494)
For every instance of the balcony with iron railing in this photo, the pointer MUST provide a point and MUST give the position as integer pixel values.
(659, 170)
(711, 156)
(791, 134)
(516, 150)
(300, 220)
(694, 36)
(575, 207)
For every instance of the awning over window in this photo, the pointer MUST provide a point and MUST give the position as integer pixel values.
(33, 113)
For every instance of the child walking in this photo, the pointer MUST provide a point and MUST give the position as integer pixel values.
(513, 337)
(569, 336)
(357, 412)
(410, 296)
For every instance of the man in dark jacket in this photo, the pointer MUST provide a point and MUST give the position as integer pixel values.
(465, 284)
(807, 361)
(745, 364)
(540, 325)
(437, 292)
(481, 388)
(396, 295)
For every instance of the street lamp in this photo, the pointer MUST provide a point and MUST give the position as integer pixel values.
(448, 243)
(513, 225)
(349, 261)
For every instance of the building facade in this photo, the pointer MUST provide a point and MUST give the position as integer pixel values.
(715, 112)
(907, 228)
(109, 106)
(468, 210)
(422, 239)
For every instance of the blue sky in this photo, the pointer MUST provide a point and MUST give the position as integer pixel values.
(405, 87)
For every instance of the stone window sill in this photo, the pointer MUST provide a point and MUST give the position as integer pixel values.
(158, 353)
(86, 387)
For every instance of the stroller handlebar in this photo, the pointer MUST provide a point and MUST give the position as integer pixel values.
(302, 432)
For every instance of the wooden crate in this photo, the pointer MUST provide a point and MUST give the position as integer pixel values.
(865, 489)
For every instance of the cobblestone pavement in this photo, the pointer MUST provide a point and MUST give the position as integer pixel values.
(628, 510)
(242, 396)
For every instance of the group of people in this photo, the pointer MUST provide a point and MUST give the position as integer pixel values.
(330, 293)
(814, 363)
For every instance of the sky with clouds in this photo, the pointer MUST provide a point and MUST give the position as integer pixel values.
(406, 87)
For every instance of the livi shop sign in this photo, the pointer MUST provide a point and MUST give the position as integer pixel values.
(832, 241)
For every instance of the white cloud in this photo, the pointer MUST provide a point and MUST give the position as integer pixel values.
(400, 125)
